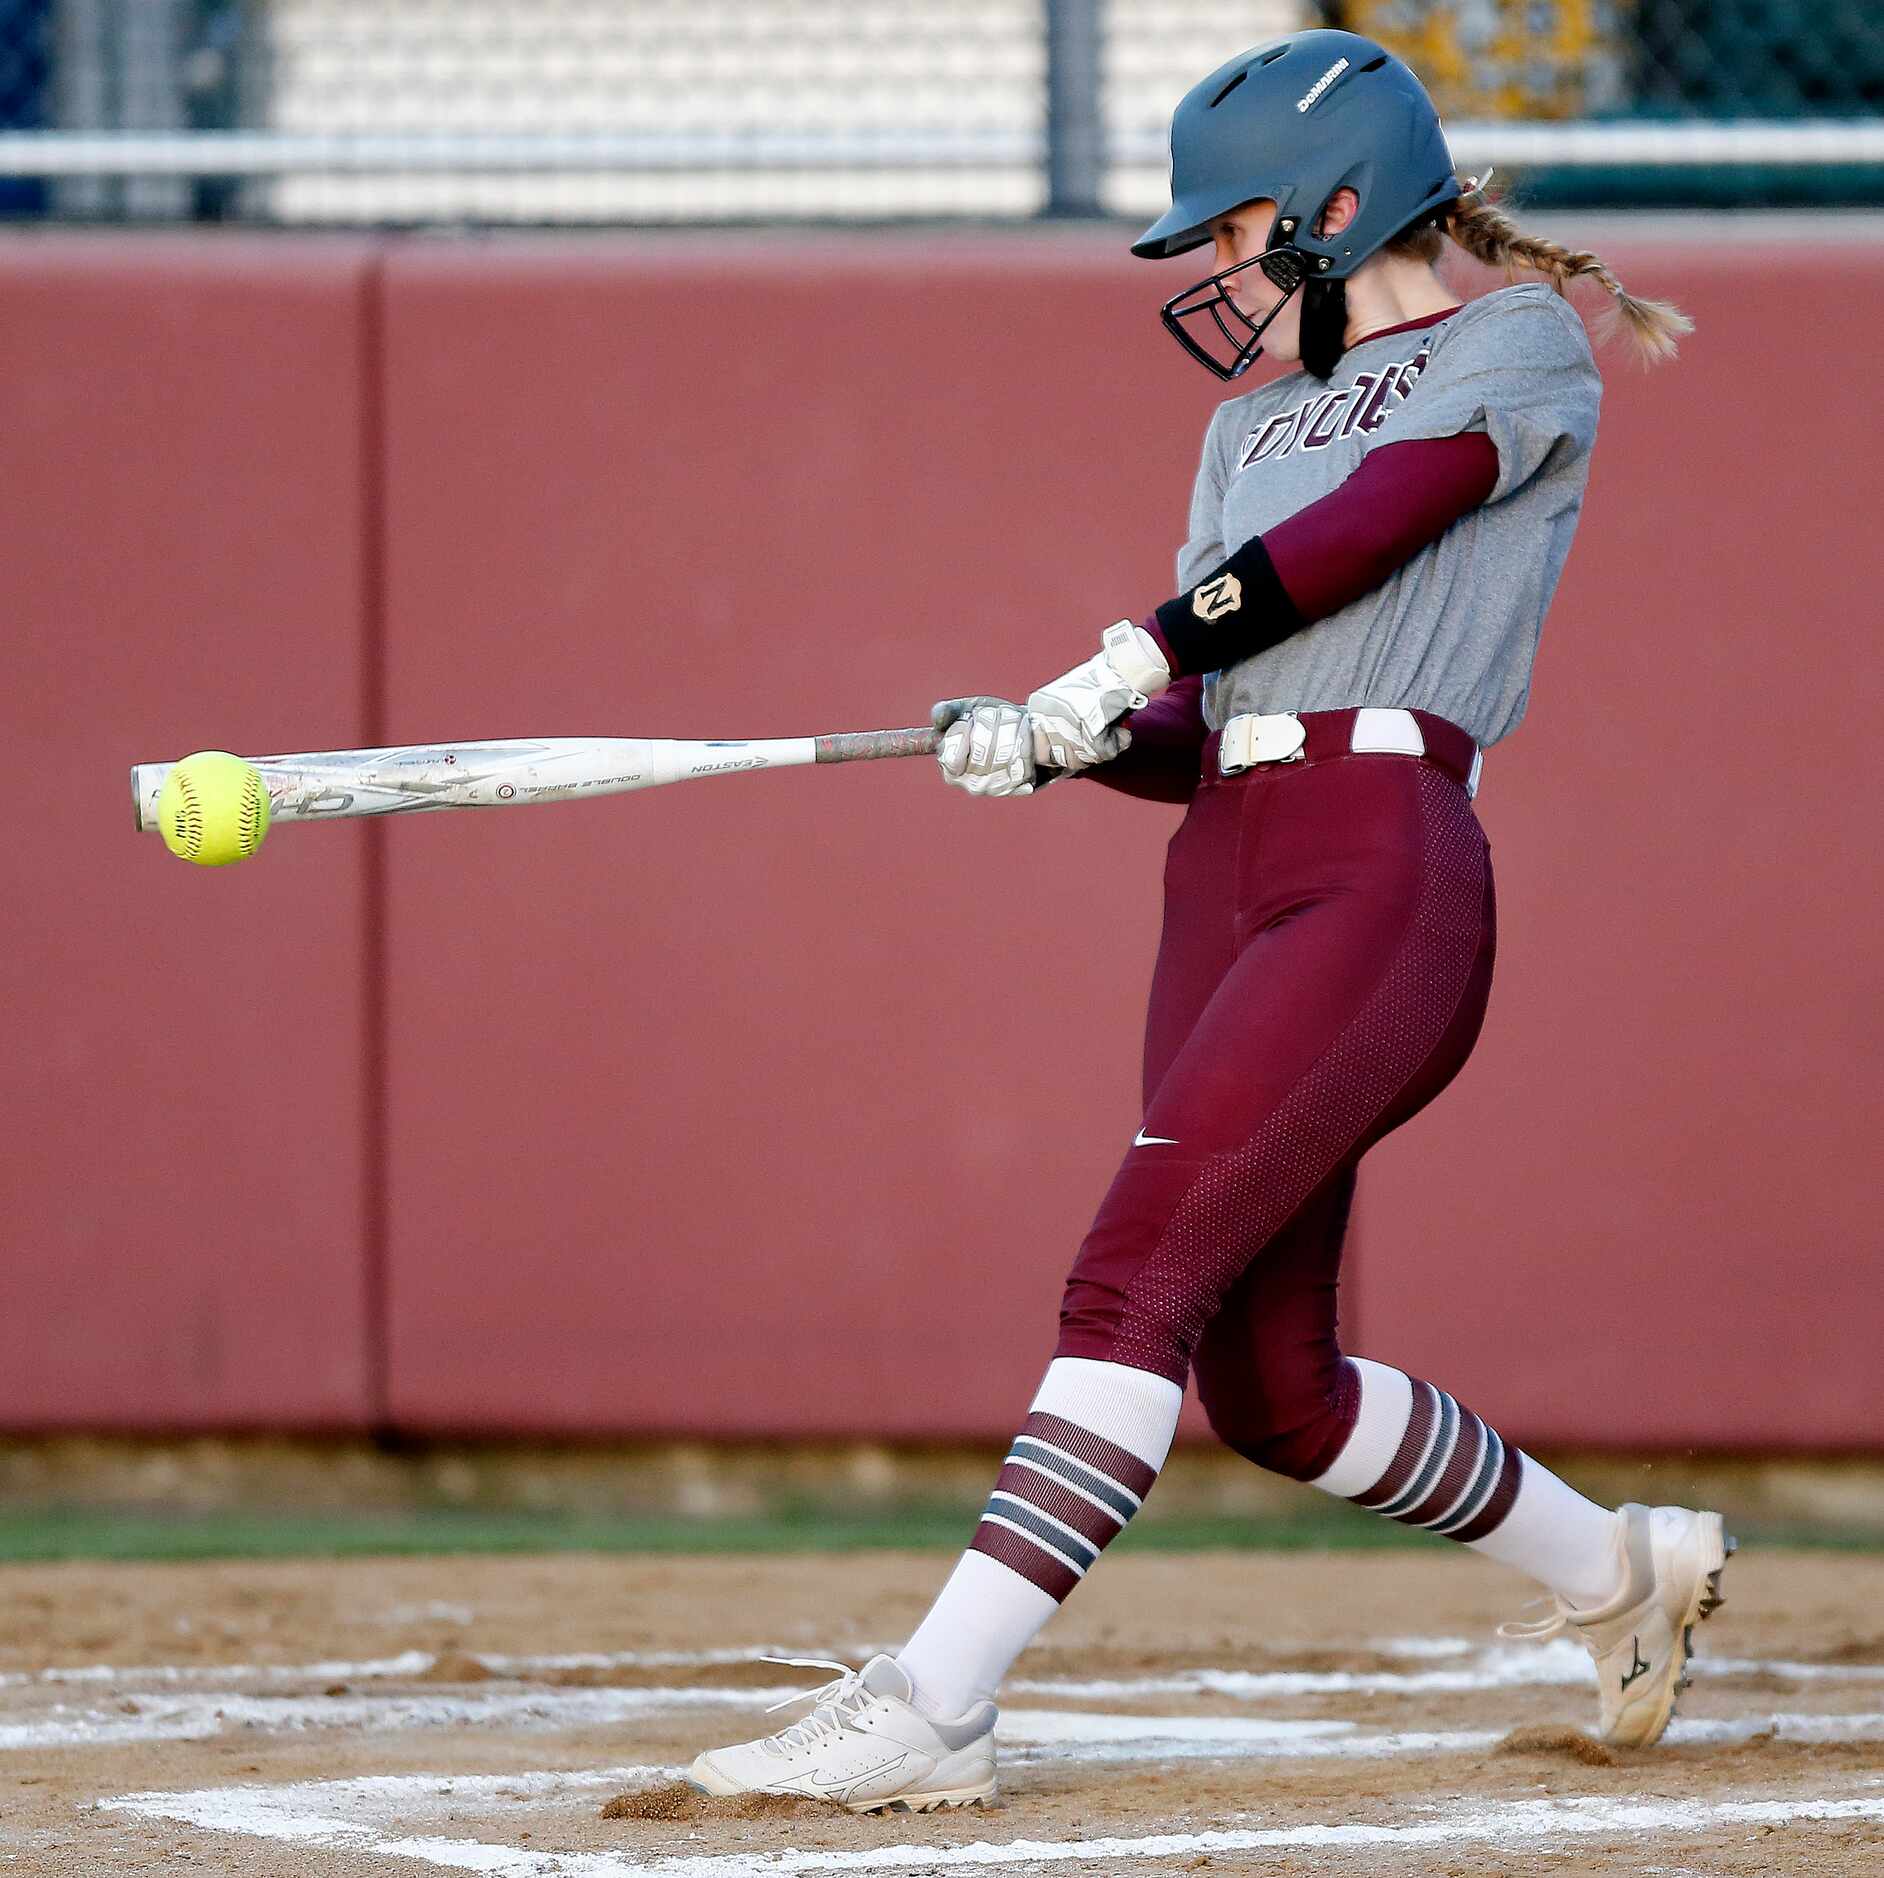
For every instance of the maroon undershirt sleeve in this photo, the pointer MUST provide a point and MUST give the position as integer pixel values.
(1400, 499)
(1166, 757)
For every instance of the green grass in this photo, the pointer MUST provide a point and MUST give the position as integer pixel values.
(114, 1533)
(42, 1534)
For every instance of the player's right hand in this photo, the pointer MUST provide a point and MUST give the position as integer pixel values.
(987, 746)
(1075, 719)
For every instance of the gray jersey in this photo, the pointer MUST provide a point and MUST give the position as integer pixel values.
(1453, 631)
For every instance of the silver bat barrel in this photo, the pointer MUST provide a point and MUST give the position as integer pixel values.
(329, 785)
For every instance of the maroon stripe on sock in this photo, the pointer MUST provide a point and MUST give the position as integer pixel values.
(1467, 1451)
(1095, 1450)
(1412, 1448)
(1036, 1565)
(1061, 1503)
(1499, 1504)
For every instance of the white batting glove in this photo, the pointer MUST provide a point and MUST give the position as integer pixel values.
(986, 747)
(1075, 719)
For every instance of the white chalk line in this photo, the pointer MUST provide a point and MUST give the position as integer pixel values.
(432, 1611)
(204, 1717)
(1426, 1647)
(409, 1663)
(1561, 1662)
(520, 1706)
(371, 1800)
(270, 1813)
(1090, 1734)
(115, 1675)
(1558, 1664)
(182, 1710)
(1045, 1734)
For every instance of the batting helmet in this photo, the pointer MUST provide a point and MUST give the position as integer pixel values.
(1294, 121)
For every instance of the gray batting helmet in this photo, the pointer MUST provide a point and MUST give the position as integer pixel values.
(1295, 120)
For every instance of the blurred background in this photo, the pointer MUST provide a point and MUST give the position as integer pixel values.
(459, 368)
(639, 112)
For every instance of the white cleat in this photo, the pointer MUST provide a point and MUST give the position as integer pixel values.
(1671, 1562)
(864, 1746)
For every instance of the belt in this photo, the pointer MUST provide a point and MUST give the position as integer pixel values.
(1254, 740)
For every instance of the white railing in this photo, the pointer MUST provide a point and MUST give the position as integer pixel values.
(1807, 144)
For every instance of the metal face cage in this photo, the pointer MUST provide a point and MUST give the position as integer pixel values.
(1209, 325)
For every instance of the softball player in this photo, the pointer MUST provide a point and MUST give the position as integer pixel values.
(1373, 542)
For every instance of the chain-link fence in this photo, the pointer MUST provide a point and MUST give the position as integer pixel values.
(1557, 59)
(650, 111)
(1729, 102)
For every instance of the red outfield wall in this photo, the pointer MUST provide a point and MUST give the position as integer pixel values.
(778, 1104)
(182, 1188)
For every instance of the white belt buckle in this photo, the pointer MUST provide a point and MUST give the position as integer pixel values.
(1255, 737)
(1388, 729)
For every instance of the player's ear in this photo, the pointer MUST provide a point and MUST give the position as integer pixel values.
(1339, 210)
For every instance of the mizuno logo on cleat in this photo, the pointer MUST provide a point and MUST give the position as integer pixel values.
(857, 1777)
(1638, 1668)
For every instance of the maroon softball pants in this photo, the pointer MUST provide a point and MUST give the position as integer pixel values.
(1323, 973)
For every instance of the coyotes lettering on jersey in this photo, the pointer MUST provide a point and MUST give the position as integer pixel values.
(1347, 411)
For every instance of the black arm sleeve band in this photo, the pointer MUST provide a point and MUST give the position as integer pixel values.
(1242, 609)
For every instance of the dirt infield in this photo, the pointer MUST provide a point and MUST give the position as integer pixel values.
(1212, 1712)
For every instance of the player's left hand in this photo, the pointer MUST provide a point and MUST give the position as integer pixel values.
(987, 747)
(1075, 719)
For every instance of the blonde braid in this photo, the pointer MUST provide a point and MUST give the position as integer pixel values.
(1488, 234)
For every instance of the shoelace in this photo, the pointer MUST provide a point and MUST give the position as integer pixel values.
(832, 1705)
(1540, 1630)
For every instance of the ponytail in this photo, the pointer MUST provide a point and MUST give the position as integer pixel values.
(1650, 328)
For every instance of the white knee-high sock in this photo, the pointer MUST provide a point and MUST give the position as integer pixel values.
(1564, 1541)
(1418, 1456)
(1083, 1461)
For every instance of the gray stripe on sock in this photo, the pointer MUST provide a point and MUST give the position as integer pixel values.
(1480, 1491)
(1436, 1459)
(1466, 1421)
(1017, 1513)
(1004, 1499)
(1114, 1496)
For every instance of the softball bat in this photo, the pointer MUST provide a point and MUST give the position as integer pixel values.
(333, 785)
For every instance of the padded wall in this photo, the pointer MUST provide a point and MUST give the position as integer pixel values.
(181, 1180)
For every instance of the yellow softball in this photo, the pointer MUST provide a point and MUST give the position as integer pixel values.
(213, 808)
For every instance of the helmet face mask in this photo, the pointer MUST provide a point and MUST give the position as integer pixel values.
(1207, 322)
